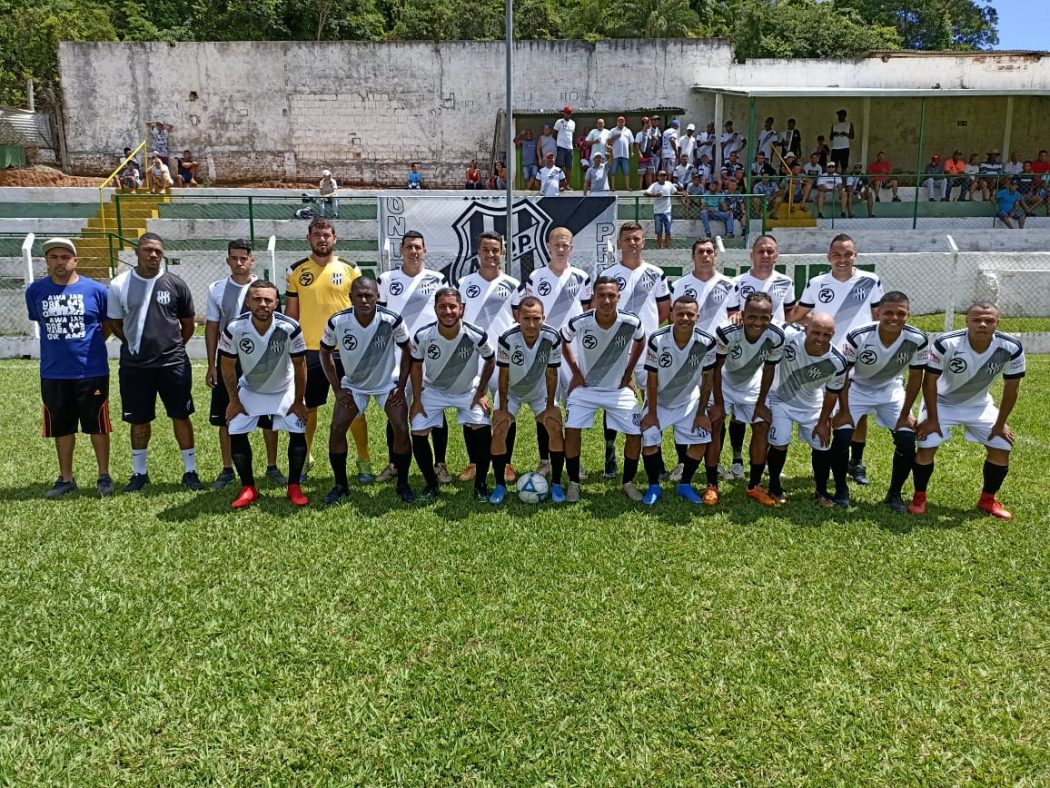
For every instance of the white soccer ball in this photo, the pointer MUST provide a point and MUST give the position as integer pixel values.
(532, 487)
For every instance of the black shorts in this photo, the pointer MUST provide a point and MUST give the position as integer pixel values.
(67, 402)
(317, 387)
(220, 398)
(139, 388)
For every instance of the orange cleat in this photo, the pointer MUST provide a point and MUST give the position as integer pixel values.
(295, 495)
(760, 495)
(245, 499)
(993, 506)
(918, 503)
(469, 473)
(711, 495)
(510, 474)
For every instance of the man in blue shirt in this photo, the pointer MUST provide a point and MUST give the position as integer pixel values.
(74, 370)
(1006, 205)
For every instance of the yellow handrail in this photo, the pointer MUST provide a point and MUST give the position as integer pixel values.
(112, 175)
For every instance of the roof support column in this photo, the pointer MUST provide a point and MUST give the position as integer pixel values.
(716, 166)
(865, 124)
(1008, 123)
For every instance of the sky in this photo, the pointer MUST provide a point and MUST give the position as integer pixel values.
(1021, 24)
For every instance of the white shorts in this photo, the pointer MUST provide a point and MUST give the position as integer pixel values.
(977, 419)
(681, 419)
(538, 405)
(739, 405)
(434, 403)
(620, 406)
(784, 417)
(885, 404)
(361, 396)
(273, 406)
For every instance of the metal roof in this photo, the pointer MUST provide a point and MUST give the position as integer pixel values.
(557, 111)
(835, 91)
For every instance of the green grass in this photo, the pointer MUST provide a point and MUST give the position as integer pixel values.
(163, 639)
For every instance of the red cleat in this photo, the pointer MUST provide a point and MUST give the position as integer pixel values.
(295, 495)
(993, 506)
(918, 503)
(248, 496)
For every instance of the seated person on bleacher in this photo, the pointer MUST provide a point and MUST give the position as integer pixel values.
(130, 178)
(715, 207)
(830, 181)
(879, 170)
(1033, 198)
(761, 166)
(990, 171)
(956, 168)
(812, 169)
(936, 184)
(187, 169)
(1007, 205)
(768, 197)
(856, 185)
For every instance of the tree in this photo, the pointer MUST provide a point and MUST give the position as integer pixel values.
(933, 24)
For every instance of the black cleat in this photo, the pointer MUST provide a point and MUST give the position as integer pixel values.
(841, 499)
(192, 481)
(481, 494)
(224, 479)
(429, 494)
(859, 473)
(404, 492)
(136, 483)
(273, 473)
(104, 486)
(61, 488)
(896, 503)
(337, 494)
(611, 469)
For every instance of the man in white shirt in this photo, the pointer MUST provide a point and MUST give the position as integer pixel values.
(687, 143)
(551, 178)
(620, 140)
(596, 181)
(841, 134)
(598, 140)
(767, 138)
(683, 173)
(830, 181)
(565, 131)
(663, 190)
(669, 146)
(327, 189)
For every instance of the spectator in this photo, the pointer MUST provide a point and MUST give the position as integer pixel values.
(715, 207)
(1041, 165)
(795, 187)
(499, 177)
(598, 140)
(956, 168)
(643, 146)
(585, 152)
(735, 202)
(990, 170)
(669, 146)
(812, 170)
(703, 168)
(551, 178)
(683, 173)
(127, 155)
(830, 181)
(565, 129)
(732, 169)
(791, 140)
(596, 181)
(187, 169)
(130, 178)
(158, 131)
(823, 152)
(694, 195)
(767, 138)
(547, 143)
(732, 141)
(473, 178)
(1026, 178)
(687, 142)
(936, 184)
(1014, 166)
(620, 140)
(767, 197)
(841, 134)
(1036, 196)
(158, 176)
(790, 160)
(972, 170)
(705, 143)
(761, 166)
(662, 190)
(879, 170)
(1007, 206)
(530, 161)
(327, 188)
(856, 185)
(415, 177)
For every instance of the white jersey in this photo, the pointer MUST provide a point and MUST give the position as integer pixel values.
(550, 179)
(266, 359)
(849, 302)
(744, 360)
(367, 352)
(875, 368)
(451, 365)
(563, 296)
(779, 286)
(678, 369)
(489, 305)
(641, 289)
(767, 138)
(411, 297)
(964, 375)
(713, 297)
(527, 366)
(801, 378)
(226, 301)
(602, 353)
(669, 144)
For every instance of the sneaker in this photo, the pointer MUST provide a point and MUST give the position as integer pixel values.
(404, 492)
(896, 199)
(711, 497)
(273, 473)
(364, 472)
(824, 500)
(337, 494)
(918, 503)
(557, 494)
(295, 495)
(192, 481)
(690, 494)
(429, 494)
(859, 473)
(896, 503)
(841, 499)
(104, 486)
(482, 494)
(245, 499)
(60, 489)
(224, 479)
(724, 473)
(510, 474)
(468, 473)
(779, 496)
(760, 495)
(572, 494)
(631, 491)
(676, 473)
(387, 474)
(611, 470)
(994, 507)
(544, 468)
(736, 470)
(444, 476)
(652, 495)
(499, 494)
(136, 483)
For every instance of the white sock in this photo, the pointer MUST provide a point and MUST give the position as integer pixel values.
(189, 460)
(138, 461)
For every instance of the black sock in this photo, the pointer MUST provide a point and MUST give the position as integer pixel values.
(903, 459)
(630, 469)
(297, 452)
(440, 442)
(775, 461)
(737, 430)
(921, 474)
(757, 469)
(840, 443)
(512, 435)
(390, 443)
(856, 453)
(994, 476)
(682, 451)
(821, 462)
(712, 476)
(499, 469)
(468, 443)
(652, 467)
(482, 455)
(610, 445)
(241, 449)
(557, 464)
(424, 459)
(338, 463)
(543, 443)
(402, 462)
(689, 469)
(722, 433)
(572, 465)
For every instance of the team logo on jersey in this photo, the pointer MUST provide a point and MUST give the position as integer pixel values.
(780, 289)
(247, 346)
(901, 358)
(789, 353)
(992, 369)
(337, 279)
(518, 358)
(429, 286)
(544, 289)
(745, 291)
(826, 295)
(665, 360)
(163, 297)
(636, 419)
(736, 352)
(719, 294)
(868, 357)
(621, 283)
(502, 292)
(649, 280)
(396, 288)
(433, 352)
(957, 365)
(590, 341)
(465, 352)
(306, 279)
(473, 291)
(349, 341)
(621, 341)
(690, 292)
(813, 371)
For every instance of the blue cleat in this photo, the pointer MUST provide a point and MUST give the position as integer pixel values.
(498, 495)
(652, 495)
(557, 494)
(689, 493)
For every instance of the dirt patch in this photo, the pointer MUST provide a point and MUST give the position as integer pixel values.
(39, 175)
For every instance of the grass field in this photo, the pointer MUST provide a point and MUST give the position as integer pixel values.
(162, 639)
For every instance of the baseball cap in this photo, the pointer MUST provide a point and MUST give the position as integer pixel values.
(621, 119)
(790, 155)
(656, 117)
(662, 172)
(546, 125)
(58, 243)
(691, 127)
(326, 173)
(567, 108)
(936, 157)
(675, 123)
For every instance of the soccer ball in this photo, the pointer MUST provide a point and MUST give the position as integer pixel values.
(532, 487)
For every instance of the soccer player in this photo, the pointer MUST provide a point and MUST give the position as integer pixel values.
(490, 299)
(961, 368)
(565, 292)
(748, 355)
(409, 292)
(711, 289)
(226, 300)
(74, 369)
(528, 358)
(679, 361)
(877, 355)
(644, 292)
(602, 347)
(366, 336)
(317, 287)
(851, 296)
(808, 381)
(445, 375)
(264, 373)
(151, 311)
(762, 277)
